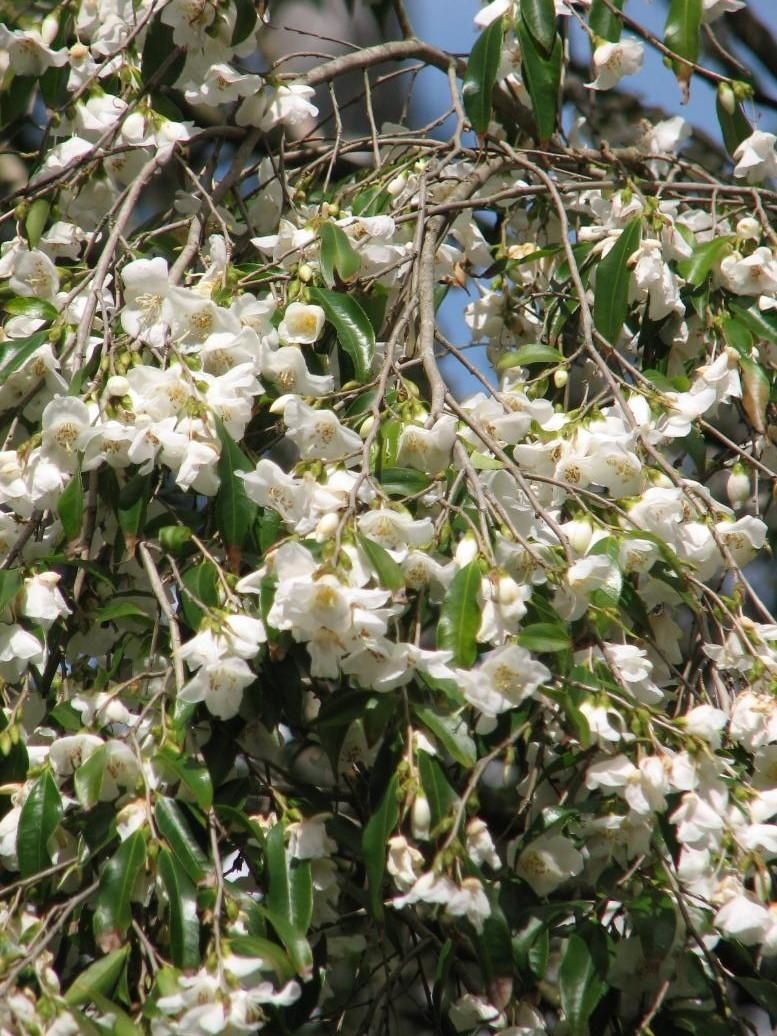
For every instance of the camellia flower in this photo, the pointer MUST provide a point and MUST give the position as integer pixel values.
(302, 324)
(548, 862)
(504, 678)
(755, 157)
(612, 61)
(287, 105)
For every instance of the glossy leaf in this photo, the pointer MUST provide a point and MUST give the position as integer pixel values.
(294, 942)
(353, 327)
(480, 77)
(10, 585)
(172, 824)
(39, 309)
(15, 352)
(544, 637)
(539, 17)
(182, 903)
(460, 616)
(132, 506)
(235, 512)
(611, 298)
(376, 834)
(290, 892)
(682, 34)
(88, 778)
(191, 772)
(527, 355)
(403, 481)
(603, 22)
(761, 324)
(696, 269)
(452, 734)
(579, 985)
(70, 507)
(734, 125)
(99, 978)
(542, 77)
(34, 225)
(439, 793)
(202, 582)
(337, 254)
(39, 819)
(256, 946)
(113, 912)
(389, 573)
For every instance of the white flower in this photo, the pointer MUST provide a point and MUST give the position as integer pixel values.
(68, 753)
(34, 275)
(470, 901)
(612, 61)
(480, 845)
(504, 678)
(427, 449)
(220, 683)
(756, 158)
(403, 862)
(18, 649)
(41, 600)
(755, 274)
(28, 53)
(548, 862)
(302, 324)
(287, 105)
(744, 919)
(490, 13)
(145, 289)
(308, 839)
(317, 433)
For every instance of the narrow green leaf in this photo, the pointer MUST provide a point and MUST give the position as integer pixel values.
(10, 585)
(737, 334)
(539, 16)
(191, 772)
(439, 793)
(132, 505)
(16, 96)
(527, 355)
(602, 22)
(403, 481)
(100, 977)
(295, 943)
(34, 225)
(611, 298)
(544, 637)
(579, 985)
(389, 573)
(278, 899)
(173, 825)
(202, 582)
(256, 946)
(682, 34)
(113, 912)
(39, 819)
(372, 201)
(183, 920)
(460, 616)
(480, 76)
(734, 125)
(120, 610)
(88, 779)
(696, 269)
(452, 733)
(353, 327)
(337, 253)
(15, 352)
(235, 513)
(761, 324)
(31, 307)
(70, 506)
(376, 834)
(542, 76)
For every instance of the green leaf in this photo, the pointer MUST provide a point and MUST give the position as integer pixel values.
(99, 978)
(542, 75)
(15, 352)
(10, 585)
(158, 47)
(290, 892)
(459, 622)
(611, 298)
(15, 98)
(539, 16)
(756, 389)
(529, 354)
(202, 581)
(603, 22)
(29, 307)
(376, 834)
(580, 987)
(452, 733)
(235, 513)
(39, 819)
(439, 793)
(113, 912)
(120, 610)
(245, 21)
(353, 327)
(256, 946)
(34, 225)
(173, 825)
(480, 76)
(70, 506)
(403, 481)
(132, 505)
(191, 772)
(390, 575)
(737, 334)
(88, 778)
(734, 125)
(372, 201)
(544, 637)
(682, 34)
(696, 269)
(183, 921)
(337, 253)
(761, 324)
(295, 943)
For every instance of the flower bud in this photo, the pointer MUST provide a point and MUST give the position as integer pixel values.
(327, 526)
(727, 98)
(421, 817)
(738, 487)
(117, 385)
(560, 378)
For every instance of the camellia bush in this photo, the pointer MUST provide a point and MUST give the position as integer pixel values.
(336, 699)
